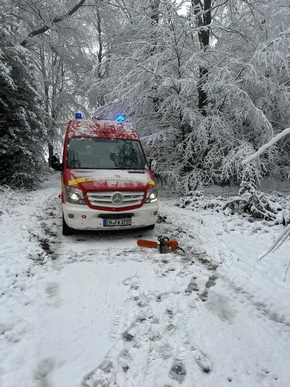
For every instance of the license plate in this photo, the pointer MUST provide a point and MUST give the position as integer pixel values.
(117, 222)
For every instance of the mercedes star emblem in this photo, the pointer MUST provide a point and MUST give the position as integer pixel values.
(117, 198)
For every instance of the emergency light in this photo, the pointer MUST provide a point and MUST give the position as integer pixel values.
(78, 116)
(121, 118)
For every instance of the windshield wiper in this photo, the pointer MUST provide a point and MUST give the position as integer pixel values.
(136, 171)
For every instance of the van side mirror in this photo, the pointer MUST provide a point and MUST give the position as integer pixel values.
(153, 165)
(55, 163)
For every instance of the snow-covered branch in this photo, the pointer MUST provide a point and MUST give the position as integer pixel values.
(56, 20)
(266, 146)
(277, 243)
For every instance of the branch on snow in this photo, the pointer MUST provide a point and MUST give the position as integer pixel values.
(255, 204)
(56, 20)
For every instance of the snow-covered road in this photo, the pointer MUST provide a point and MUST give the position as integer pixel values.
(96, 310)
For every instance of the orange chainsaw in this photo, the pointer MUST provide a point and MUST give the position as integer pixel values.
(165, 245)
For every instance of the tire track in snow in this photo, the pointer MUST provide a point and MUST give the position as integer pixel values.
(156, 348)
(260, 307)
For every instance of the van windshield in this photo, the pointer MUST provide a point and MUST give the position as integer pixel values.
(104, 153)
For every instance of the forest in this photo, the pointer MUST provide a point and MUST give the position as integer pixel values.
(206, 83)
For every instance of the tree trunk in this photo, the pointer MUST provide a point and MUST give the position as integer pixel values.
(154, 16)
(202, 12)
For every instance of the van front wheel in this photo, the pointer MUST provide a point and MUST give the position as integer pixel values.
(66, 230)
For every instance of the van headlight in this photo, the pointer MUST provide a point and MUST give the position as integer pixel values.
(151, 196)
(74, 195)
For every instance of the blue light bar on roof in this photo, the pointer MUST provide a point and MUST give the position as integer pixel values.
(78, 116)
(121, 118)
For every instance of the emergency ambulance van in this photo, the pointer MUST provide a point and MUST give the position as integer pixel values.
(106, 181)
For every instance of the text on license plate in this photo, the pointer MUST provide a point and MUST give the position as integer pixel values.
(117, 222)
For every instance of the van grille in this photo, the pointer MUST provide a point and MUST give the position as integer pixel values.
(106, 198)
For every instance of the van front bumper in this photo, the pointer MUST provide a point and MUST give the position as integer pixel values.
(81, 217)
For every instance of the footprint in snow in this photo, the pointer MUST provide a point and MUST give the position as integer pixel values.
(125, 360)
(133, 282)
(43, 371)
(202, 360)
(192, 286)
(117, 324)
(211, 282)
(52, 291)
(102, 376)
(178, 371)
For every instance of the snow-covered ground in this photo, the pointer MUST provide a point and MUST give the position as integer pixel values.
(96, 310)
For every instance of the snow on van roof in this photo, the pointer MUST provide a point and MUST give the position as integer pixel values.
(101, 128)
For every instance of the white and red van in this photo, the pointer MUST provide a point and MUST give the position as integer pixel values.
(106, 179)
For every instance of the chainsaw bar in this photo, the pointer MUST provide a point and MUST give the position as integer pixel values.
(146, 243)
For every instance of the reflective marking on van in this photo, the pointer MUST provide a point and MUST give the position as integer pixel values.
(151, 182)
(79, 180)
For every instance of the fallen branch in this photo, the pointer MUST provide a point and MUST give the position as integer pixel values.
(255, 204)
(287, 268)
(277, 243)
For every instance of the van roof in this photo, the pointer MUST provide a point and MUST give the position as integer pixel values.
(101, 128)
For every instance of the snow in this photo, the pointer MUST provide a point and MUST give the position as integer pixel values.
(97, 310)
(120, 176)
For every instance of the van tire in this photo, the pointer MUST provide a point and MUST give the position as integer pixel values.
(66, 230)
